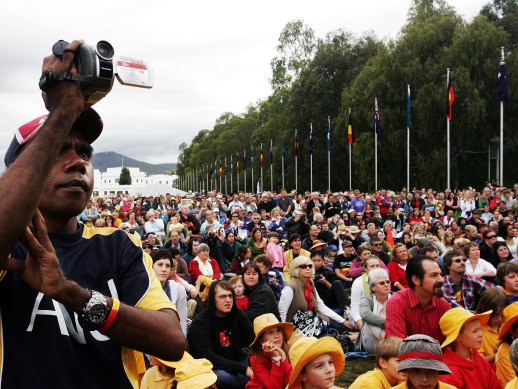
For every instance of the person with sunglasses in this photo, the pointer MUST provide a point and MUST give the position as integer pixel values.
(461, 289)
(300, 299)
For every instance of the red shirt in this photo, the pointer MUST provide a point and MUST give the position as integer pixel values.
(397, 274)
(242, 303)
(406, 316)
(267, 374)
(194, 270)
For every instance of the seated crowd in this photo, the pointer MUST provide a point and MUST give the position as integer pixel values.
(264, 285)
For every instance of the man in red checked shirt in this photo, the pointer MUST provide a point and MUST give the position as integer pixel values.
(418, 309)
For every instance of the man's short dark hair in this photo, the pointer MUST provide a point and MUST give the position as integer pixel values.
(315, 253)
(157, 255)
(264, 259)
(415, 267)
(448, 258)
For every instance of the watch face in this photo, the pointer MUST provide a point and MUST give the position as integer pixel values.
(97, 314)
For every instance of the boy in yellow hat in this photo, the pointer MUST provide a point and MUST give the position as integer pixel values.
(463, 332)
(508, 332)
(316, 363)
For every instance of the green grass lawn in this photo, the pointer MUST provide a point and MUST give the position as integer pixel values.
(353, 368)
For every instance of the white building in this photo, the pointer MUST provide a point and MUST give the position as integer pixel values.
(106, 183)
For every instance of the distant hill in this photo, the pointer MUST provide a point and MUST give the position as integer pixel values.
(107, 159)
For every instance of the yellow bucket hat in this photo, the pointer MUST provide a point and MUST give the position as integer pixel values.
(174, 364)
(264, 322)
(510, 314)
(453, 320)
(195, 373)
(305, 350)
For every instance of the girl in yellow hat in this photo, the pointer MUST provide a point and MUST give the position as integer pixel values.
(508, 332)
(463, 331)
(268, 353)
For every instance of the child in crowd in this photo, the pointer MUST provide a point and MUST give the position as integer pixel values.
(463, 339)
(268, 353)
(162, 373)
(275, 251)
(508, 332)
(316, 363)
(421, 360)
(195, 373)
(239, 290)
(330, 256)
(385, 375)
(492, 299)
(513, 356)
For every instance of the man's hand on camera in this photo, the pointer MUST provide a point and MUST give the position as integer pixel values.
(63, 93)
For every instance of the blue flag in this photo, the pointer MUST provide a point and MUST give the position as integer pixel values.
(377, 123)
(502, 80)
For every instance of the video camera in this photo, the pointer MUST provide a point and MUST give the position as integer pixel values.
(97, 69)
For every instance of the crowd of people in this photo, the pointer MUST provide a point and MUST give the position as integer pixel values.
(263, 272)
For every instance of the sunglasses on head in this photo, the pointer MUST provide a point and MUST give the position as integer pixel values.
(308, 266)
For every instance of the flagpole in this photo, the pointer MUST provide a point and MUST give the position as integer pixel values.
(350, 137)
(502, 134)
(252, 163)
(282, 166)
(329, 153)
(231, 174)
(261, 160)
(296, 161)
(271, 165)
(244, 169)
(311, 158)
(207, 188)
(408, 143)
(225, 173)
(220, 174)
(238, 171)
(447, 138)
(375, 150)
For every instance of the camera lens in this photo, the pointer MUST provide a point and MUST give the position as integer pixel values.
(104, 50)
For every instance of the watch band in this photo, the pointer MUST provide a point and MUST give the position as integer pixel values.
(95, 312)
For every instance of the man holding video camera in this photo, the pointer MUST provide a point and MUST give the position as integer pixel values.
(73, 302)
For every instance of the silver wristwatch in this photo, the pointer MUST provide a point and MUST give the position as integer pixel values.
(95, 312)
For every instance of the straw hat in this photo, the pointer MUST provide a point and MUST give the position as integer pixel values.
(174, 364)
(318, 245)
(264, 322)
(453, 320)
(305, 350)
(421, 352)
(195, 373)
(510, 314)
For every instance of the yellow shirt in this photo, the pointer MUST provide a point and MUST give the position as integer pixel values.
(490, 341)
(374, 379)
(441, 385)
(504, 369)
(513, 384)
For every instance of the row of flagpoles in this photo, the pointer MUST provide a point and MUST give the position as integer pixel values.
(192, 181)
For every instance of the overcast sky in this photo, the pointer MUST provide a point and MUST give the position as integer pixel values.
(209, 57)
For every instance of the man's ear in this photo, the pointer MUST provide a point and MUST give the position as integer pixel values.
(416, 280)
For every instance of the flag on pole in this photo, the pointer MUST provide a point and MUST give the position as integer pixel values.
(252, 158)
(377, 122)
(209, 171)
(451, 99)
(238, 164)
(226, 169)
(502, 80)
(408, 110)
(311, 139)
(220, 169)
(297, 145)
(244, 159)
(282, 151)
(261, 157)
(328, 133)
(350, 128)
(231, 165)
(271, 151)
